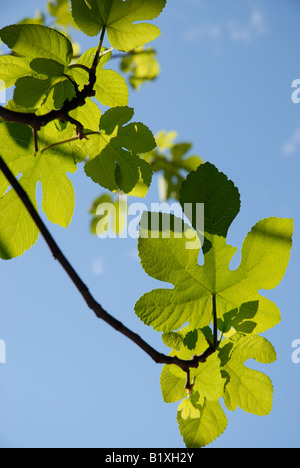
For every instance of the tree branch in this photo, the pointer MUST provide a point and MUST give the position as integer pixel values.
(158, 357)
(36, 122)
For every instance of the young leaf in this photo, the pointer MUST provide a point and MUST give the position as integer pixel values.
(267, 246)
(249, 389)
(47, 67)
(171, 161)
(113, 153)
(172, 382)
(207, 379)
(118, 17)
(197, 432)
(32, 41)
(142, 65)
(32, 93)
(18, 232)
(110, 88)
(62, 12)
(12, 68)
(168, 259)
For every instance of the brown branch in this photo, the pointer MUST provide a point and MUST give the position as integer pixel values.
(36, 122)
(158, 357)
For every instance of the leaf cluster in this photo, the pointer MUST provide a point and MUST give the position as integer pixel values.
(211, 303)
(49, 79)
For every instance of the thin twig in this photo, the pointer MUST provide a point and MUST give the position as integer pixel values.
(215, 321)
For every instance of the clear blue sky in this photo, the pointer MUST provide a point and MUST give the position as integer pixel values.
(71, 381)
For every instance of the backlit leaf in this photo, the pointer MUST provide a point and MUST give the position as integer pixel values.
(113, 152)
(267, 246)
(18, 232)
(119, 18)
(249, 389)
(32, 40)
(197, 432)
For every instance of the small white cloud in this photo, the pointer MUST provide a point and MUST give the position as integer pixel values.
(233, 30)
(254, 28)
(98, 266)
(292, 146)
(210, 31)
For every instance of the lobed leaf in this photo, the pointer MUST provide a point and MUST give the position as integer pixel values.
(210, 423)
(267, 247)
(62, 12)
(113, 153)
(110, 88)
(118, 17)
(12, 68)
(207, 379)
(142, 65)
(249, 389)
(18, 231)
(172, 162)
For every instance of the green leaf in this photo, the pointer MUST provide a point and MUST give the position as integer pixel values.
(171, 161)
(197, 432)
(62, 12)
(118, 17)
(172, 340)
(220, 196)
(172, 383)
(142, 65)
(113, 153)
(31, 92)
(32, 40)
(249, 389)
(47, 67)
(18, 232)
(266, 250)
(110, 88)
(207, 379)
(168, 259)
(39, 18)
(12, 68)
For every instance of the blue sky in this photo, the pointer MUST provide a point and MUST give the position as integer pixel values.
(71, 381)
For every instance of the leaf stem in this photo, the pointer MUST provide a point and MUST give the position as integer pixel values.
(68, 140)
(79, 65)
(215, 320)
(97, 55)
